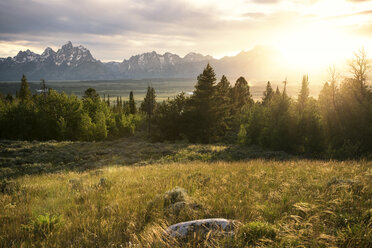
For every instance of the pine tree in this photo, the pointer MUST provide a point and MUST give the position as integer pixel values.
(108, 100)
(241, 94)
(223, 107)
(132, 104)
(9, 97)
(277, 91)
(201, 113)
(24, 92)
(304, 94)
(92, 94)
(268, 94)
(284, 94)
(117, 104)
(148, 105)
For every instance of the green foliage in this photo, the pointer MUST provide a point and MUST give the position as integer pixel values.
(200, 113)
(268, 94)
(24, 92)
(148, 106)
(43, 225)
(132, 104)
(9, 187)
(241, 94)
(61, 117)
(223, 108)
(254, 232)
(168, 119)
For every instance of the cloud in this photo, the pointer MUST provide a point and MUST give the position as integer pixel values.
(116, 29)
(266, 1)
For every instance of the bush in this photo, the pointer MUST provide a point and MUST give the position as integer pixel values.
(8, 187)
(43, 225)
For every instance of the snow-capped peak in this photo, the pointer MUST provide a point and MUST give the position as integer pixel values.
(26, 56)
(73, 56)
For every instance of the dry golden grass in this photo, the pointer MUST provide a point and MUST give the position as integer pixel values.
(306, 203)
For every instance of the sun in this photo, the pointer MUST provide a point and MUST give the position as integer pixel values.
(315, 46)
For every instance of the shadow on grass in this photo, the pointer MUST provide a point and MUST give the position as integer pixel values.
(19, 158)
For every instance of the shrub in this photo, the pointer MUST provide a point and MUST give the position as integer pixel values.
(43, 225)
(8, 187)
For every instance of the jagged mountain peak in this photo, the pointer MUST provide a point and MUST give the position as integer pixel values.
(71, 62)
(68, 45)
(195, 57)
(48, 52)
(26, 56)
(73, 56)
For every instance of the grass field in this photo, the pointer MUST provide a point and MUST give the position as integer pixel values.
(112, 194)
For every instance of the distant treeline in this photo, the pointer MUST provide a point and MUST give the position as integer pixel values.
(337, 124)
(52, 115)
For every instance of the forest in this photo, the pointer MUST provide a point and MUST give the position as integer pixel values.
(335, 125)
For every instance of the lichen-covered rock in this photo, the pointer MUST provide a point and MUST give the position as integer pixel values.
(175, 195)
(201, 227)
(172, 204)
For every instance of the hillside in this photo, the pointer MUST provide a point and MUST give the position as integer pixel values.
(110, 194)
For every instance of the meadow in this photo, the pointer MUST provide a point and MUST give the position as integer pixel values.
(114, 194)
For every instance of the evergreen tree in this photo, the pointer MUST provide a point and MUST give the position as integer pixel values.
(168, 119)
(43, 87)
(91, 94)
(277, 91)
(148, 105)
(24, 92)
(304, 94)
(9, 98)
(268, 94)
(241, 94)
(284, 94)
(117, 104)
(309, 134)
(223, 107)
(201, 112)
(132, 104)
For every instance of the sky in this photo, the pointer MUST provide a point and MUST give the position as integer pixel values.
(114, 30)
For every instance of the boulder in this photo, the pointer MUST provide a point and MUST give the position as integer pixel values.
(172, 204)
(201, 227)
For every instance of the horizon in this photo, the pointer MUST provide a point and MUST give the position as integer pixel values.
(115, 30)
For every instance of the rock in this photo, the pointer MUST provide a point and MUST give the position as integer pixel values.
(175, 195)
(103, 183)
(355, 185)
(337, 181)
(172, 204)
(201, 227)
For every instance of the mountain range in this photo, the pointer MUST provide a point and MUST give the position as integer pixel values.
(77, 63)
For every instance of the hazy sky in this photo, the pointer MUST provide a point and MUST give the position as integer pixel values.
(117, 29)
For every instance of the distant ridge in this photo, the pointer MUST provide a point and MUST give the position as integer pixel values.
(77, 63)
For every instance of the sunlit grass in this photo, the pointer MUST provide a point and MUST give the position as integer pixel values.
(309, 203)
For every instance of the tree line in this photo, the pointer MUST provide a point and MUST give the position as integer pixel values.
(337, 124)
(57, 116)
